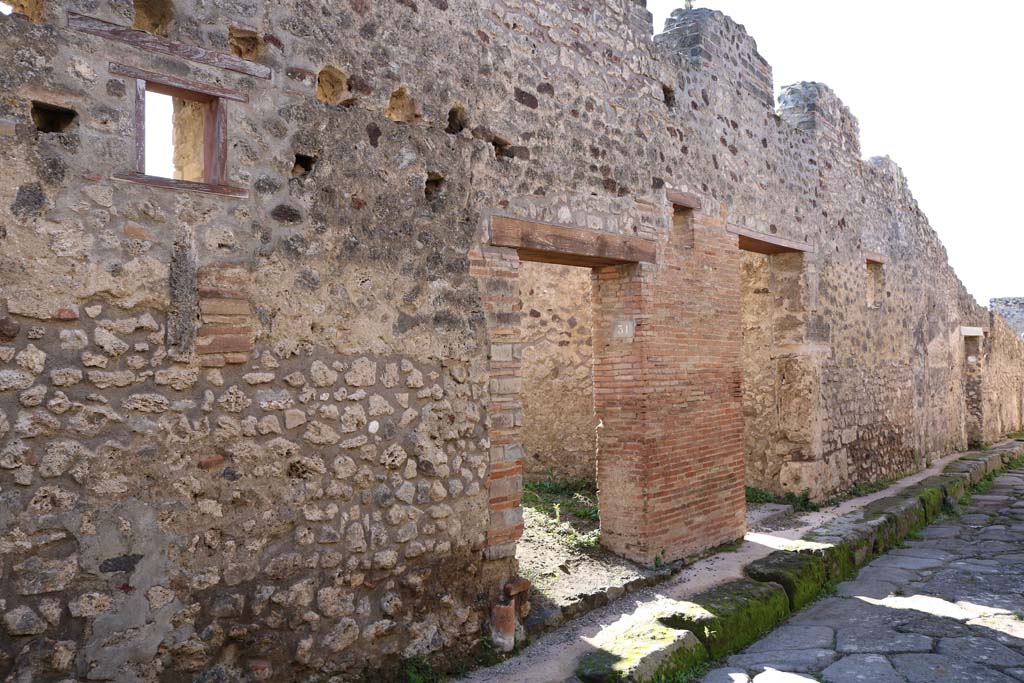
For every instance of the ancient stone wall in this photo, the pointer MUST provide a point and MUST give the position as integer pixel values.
(1012, 310)
(866, 399)
(1002, 385)
(559, 437)
(246, 430)
(269, 424)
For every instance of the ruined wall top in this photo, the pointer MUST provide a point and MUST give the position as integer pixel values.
(815, 107)
(705, 37)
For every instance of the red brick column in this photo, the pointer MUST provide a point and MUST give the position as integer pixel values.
(621, 301)
(670, 452)
(497, 269)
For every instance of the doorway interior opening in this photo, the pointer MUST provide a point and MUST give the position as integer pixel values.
(780, 377)
(559, 435)
(560, 549)
(972, 391)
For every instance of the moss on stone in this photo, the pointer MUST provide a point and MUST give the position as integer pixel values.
(953, 484)
(861, 542)
(801, 575)
(883, 532)
(894, 518)
(731, 616)
(946, 485)
(641, 653)
(836, 558)
(931, 498)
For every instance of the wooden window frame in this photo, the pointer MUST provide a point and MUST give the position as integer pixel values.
(215, 139)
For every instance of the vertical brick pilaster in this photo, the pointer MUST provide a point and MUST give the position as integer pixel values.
(621, 319)
(497, 270)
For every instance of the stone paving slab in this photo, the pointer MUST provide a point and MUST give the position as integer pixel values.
(794, 661)
(860, 640)
(873, 668)
(933, 668)
(945, 607)
(796, 638)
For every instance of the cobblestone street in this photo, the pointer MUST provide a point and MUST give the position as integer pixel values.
(947, 605)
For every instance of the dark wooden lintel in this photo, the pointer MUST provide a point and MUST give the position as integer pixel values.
(762, 243)
(185, 185)
(177, 87)
(875, 257)
(147, 41)
(683, 200)
(550, 243)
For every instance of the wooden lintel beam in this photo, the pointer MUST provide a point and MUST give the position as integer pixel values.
(875, 257)
(683, 200)
(550, 243)
(762, 243)
(174, 86)
(182, 185)
(147, 41)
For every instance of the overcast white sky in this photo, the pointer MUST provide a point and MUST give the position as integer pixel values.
(935, 85)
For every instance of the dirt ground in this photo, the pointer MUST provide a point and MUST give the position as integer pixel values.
(561, 555)
(560, 552)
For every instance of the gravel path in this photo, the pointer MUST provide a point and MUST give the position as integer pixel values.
(947, 607)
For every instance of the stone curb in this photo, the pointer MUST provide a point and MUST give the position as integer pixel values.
(800, 575)
(539, 621)
(728, 617)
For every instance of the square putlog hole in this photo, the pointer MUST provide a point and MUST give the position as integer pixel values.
(304, 164)
(245, 43)
(33, 9)
(51, 118)
(153, 16)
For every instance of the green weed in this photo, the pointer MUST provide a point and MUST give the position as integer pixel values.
(800, 503)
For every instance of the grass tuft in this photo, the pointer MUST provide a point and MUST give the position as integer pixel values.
(800, 503)
(562, 508)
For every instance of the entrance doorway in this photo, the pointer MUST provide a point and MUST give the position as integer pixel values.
(972, 387)
(781, 372)
(666, 377)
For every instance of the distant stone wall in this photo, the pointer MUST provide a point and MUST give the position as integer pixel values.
(1002, 388)
(1012, 310)
(559, 438)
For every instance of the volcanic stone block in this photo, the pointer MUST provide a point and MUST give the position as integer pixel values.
(643, 652)
(802, 575)
(733, 615)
